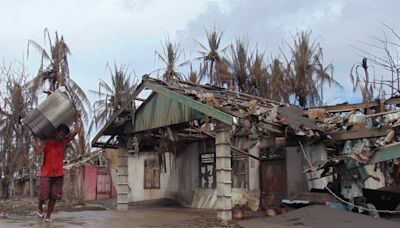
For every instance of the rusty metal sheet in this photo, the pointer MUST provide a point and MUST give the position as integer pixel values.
(161, 111)
(294, 117)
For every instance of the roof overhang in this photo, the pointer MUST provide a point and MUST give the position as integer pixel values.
(157, 87)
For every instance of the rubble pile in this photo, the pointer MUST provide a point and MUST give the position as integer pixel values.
(352, 134)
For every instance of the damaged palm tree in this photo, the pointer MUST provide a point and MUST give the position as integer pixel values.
(112, 96)
(278, 81)
(306, 73)
(259, 77)
(239, 62)
(54, 70)
(170, 57)
(382, 52)
(213, 61)
(364, 85)
(15, 151)
(195, 76)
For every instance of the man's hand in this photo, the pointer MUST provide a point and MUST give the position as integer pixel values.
(77, 115)
(37, 147)
(78, 121)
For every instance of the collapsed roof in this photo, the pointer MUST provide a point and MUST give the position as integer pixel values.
(191, 108)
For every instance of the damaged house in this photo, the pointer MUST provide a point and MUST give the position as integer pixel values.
(210, 147)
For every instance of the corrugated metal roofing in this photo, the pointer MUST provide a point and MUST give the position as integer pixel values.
(162, 111)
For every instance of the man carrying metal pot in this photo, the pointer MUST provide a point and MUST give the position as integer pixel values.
(51, 172)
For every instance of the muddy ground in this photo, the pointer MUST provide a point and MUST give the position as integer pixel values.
(98, 214)
(21, 213)
(136, 217)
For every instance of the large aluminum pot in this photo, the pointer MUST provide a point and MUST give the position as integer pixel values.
(55, 110)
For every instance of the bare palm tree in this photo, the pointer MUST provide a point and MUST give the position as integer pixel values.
(54, 70)
(306, 74)
(170, 57)
(381, 52)
(239, 64)
(15, 153)
(362, 84)
(259, 77)
(278, 81)
(195, 76)
(111, 97)
(210, 55)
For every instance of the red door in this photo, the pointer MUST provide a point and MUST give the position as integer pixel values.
(273, 182)
(104, 186)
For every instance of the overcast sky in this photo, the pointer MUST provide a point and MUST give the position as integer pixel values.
(129, 31)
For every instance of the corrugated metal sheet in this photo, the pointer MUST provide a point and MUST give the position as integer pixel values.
(162, 111)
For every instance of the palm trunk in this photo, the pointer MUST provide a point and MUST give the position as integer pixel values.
(211, 75)
(322, 95)
(81, 143)
(368, 93)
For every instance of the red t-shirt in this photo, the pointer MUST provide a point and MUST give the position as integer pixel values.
(53, 157)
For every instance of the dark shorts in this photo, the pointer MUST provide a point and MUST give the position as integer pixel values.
(50, 188)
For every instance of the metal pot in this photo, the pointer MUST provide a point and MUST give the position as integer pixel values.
(55, 110)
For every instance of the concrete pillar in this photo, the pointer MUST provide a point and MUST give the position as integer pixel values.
(224, 172)
(254, 168)
(122, 180)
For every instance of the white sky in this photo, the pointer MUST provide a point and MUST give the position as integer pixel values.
(129, 31)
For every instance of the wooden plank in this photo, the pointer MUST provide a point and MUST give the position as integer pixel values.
(359, 134)
(349, 107)
(382, 113)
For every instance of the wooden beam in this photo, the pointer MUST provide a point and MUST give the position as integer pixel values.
(359, 134)
(393, 101)
(350, 107)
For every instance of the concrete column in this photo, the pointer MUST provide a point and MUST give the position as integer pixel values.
(122, 180)
(224, 172)
(254, 168)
